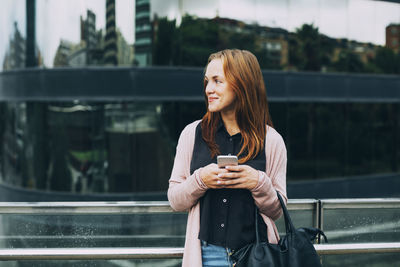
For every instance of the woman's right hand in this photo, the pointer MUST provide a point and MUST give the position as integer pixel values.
(209, 175)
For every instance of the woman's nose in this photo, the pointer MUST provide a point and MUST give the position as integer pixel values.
(209, 88)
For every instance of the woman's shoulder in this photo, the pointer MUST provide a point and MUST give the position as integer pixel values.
(273, 137)
(190, 129)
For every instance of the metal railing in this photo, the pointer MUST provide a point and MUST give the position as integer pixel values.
(122, 207)
(167, 253)
(318, 208)
(79, 208)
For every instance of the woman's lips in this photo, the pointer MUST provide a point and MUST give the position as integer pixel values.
(211, 99)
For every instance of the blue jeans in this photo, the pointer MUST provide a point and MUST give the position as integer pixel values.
(215, 256)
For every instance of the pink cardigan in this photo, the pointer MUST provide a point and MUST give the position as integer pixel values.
(185, 190)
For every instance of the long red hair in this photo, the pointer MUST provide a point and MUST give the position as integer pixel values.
(243, 75)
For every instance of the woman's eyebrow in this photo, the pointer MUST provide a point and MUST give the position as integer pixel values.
(213, 77)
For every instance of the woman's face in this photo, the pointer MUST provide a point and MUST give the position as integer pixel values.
(220, 96)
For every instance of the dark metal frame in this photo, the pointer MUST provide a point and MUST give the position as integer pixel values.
(185, 84)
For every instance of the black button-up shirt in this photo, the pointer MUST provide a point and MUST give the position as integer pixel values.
(226, 215)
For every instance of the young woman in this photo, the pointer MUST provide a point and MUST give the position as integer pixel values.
(222, 201)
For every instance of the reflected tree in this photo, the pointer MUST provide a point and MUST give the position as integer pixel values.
(198, 39)
(387, 61)
(165, 43)
(348, 62)
(190, 43)
(308, 49)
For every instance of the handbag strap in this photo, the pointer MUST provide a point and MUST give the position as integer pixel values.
(288, 221)
(256, 222)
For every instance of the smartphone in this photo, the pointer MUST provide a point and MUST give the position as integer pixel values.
(225, 160)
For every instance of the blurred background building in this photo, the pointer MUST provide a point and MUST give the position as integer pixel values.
(94, 94)
(143, 33)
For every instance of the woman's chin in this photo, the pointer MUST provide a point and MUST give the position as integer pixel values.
(212, 109)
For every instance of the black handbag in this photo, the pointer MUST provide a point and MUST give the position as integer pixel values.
(295, 249)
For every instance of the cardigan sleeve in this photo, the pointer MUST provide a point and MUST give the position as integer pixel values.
(274, 179)
(185, 189)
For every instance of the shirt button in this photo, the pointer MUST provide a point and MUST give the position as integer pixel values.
(230, 139)
(222, 225)
(224, 200)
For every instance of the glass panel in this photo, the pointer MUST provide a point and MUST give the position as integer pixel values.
(79, 33)
(327, 140)
(362, 225)
(134, 230)
(300, 219)
(362, 260)
(94, 263)
(113, 147)
(367, 153)
(62, 231)
(312, 35)
(83, 148)
(13, 34)
(87, 147)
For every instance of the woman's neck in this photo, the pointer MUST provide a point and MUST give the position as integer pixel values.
(230, 123)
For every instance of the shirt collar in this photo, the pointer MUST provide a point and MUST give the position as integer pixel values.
(221, 128)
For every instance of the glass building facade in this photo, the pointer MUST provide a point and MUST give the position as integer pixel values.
(94, 94)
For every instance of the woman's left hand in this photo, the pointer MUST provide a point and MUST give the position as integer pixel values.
(241, 176)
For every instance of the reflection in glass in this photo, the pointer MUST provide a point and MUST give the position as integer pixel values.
(143, 33)
(303, 218)
(370, 260)
(285, 35)
(362, 225)
(312, 35)
(86, 33)
(89, 147)
(86, 147)
(119, 146)
(13, 32)
(15, 58)
(67, 231)
(94, 263)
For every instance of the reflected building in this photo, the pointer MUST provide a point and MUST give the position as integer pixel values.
(16, 55)
(365, 52)
(93, 39)
(89, 51)
(393, 37)
(143, 34)
(62, 53)
(70, 54)
(110, 42)
(88, 29)
(76, 152)
(114, 130)
(124, 51)
(78, 56)
(272, 43)
(134, 138)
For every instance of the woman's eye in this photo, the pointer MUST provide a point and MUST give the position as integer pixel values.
(218, 81)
